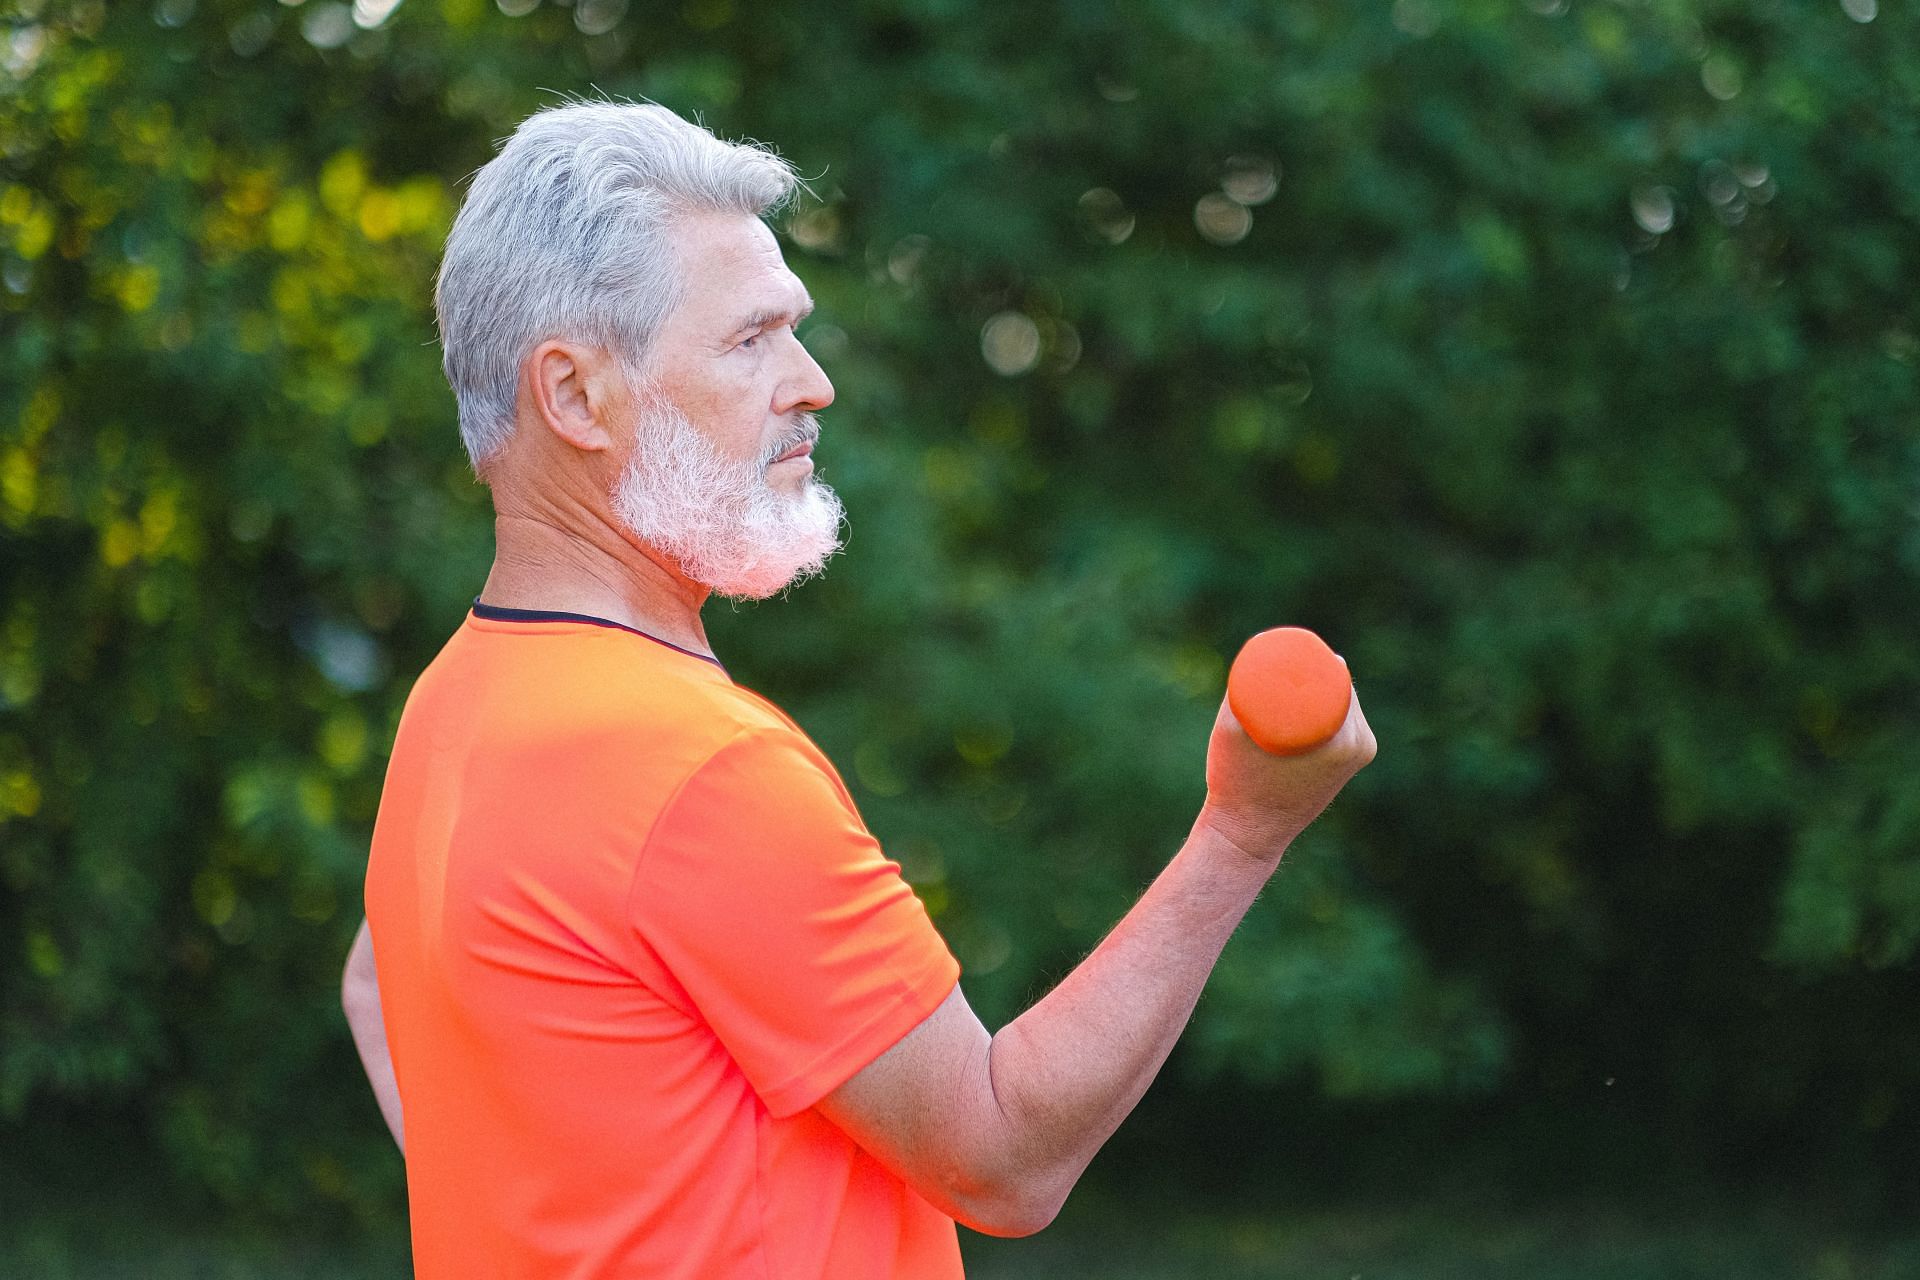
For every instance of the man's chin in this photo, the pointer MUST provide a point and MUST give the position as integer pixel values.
(770, 575)
(784, 565)
(772, 543)
(757, 589)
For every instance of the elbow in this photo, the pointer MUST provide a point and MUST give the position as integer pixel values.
(360, 1001)
(359, 987)
(1003, 1183)
(1011, 1218)
(1008, 1207)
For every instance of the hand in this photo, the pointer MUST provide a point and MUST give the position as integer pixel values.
(1259, 802)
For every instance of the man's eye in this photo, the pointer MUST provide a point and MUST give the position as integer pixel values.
(746, 343)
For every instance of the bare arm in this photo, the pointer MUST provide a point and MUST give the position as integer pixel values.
(360, 997)
(995, 1130)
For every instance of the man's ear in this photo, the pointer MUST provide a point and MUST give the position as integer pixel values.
(570, 392)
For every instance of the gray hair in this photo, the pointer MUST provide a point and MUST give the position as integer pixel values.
(565, 234)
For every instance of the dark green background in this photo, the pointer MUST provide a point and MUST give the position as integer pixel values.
(1564, 377)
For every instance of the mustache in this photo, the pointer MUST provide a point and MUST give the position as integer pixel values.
(807, 431)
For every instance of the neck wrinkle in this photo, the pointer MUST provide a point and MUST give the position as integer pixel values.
(542, 562)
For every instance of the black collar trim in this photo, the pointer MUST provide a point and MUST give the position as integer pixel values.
(494, 613)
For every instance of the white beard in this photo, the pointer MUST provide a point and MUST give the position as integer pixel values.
(719, 519)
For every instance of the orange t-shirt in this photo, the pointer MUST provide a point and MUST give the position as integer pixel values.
(629, 928)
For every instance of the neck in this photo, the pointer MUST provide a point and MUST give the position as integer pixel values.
(540, 564)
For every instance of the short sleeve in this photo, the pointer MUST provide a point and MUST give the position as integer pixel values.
(796, 939)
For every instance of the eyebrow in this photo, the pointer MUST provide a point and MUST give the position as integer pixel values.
(767, 315)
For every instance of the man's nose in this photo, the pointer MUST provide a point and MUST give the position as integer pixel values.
(807, 388)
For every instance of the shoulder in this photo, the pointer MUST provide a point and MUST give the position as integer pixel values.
(628, 693)
(770, 760)
(632, 718)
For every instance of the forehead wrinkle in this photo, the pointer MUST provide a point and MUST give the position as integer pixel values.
(724, 255)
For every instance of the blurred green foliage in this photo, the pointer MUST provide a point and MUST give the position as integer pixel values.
(1557, 360)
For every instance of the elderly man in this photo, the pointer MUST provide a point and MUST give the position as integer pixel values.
(657, 1003)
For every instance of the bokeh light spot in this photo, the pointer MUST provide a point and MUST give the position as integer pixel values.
(1106, 215)
(904, 259)
(1719, 183)
(597, 17)
(1010, 343)
(251, 34)
(368, 14)
(1720, 76)
(1221, 220)
(1653, 209)
(1250, 180)
(327, 26)
(827, 342)
(817, 229)
(173, 13)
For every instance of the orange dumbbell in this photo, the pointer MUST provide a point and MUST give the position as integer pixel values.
(1289, 691)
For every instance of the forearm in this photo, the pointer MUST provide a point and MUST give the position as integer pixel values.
(360, 998)
(995, 1130)
(1070, 1069)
